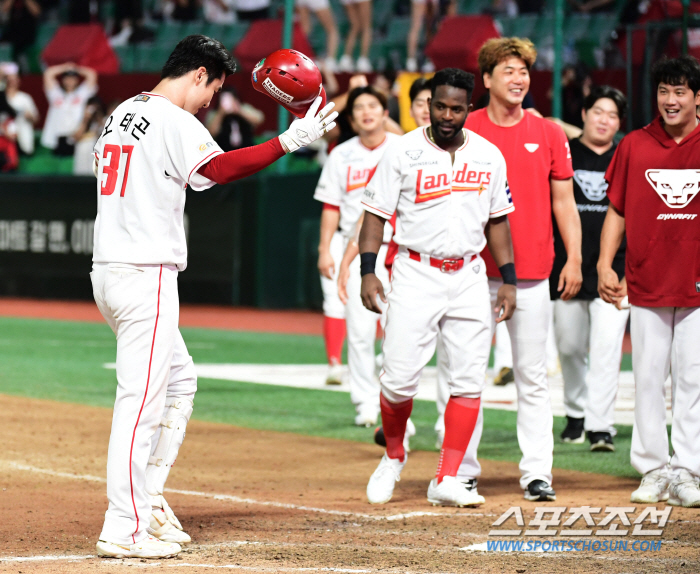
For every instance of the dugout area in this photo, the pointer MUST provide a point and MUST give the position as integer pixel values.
(264, 494)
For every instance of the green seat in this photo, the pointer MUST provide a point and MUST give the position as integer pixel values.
(233, 33)
(215, 31)
(473, 6)
(520, 27)
(45, 33)
(194, 27)
(169, 33)
(544, 30)
(5, 52)
(381, 13)
(576, 26)
(601, 28)
(126, 58)
(397, 31)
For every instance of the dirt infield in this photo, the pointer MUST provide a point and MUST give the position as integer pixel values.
(206, 316)
(287, 503)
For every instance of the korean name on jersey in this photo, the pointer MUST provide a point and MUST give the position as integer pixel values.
(442, 207)
(148, 152)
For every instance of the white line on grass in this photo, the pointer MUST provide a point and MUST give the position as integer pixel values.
(239, 500)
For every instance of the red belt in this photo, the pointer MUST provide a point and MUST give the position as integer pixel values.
(443, 265)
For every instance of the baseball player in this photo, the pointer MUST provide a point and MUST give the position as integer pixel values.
(540, 177)
(653, 188)
(589, 331)
(448, 188)
(340, 188)
(151, 149)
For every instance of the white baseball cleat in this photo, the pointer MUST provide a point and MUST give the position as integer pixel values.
(410, 431)
(367, 415)
(335, 374)
(452, 492)
(654, 487)
(684, 490)
(164, 524)
(380, 487)
(149, 547)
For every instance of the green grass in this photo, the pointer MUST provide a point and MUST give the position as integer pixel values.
(62, 361)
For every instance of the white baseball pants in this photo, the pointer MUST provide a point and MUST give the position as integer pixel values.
(665, 338)
(589, 338)
(362, 334)
(424, 302)
(140, 304)
(332, 305)
(528, 334)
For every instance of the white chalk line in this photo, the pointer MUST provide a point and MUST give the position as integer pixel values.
(44, 558)
(239, 500)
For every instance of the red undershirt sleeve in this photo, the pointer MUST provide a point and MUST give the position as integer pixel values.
(240, 163)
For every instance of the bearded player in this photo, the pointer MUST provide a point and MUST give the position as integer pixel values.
(540, 177)
(653, 190)
(448, 188)
(340, 189)
(151, 149)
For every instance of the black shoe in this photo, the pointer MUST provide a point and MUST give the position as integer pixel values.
(539, 490)
(379, 437)
(573, 433)
(470, 485)
(601, 442)
(504, 377)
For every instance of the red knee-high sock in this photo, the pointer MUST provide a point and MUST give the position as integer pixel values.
(334, 336)
(394, 417)
(460, 419)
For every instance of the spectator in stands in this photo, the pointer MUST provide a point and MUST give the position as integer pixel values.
(23, 105)
(219, 11)
(85, 137)
(324, 14)
(360, 16)
(507, 8)
(233, 123)
(252, 9)
(21, 18)
(430, 11)
(384, 83)
(67, 98)
(9, 157)
(180, 10)
(129, 17)
(591, 6)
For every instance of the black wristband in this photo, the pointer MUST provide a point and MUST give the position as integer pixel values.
(368, 261)
(508, 274)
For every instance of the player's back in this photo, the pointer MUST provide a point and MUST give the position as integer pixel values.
(148, 152)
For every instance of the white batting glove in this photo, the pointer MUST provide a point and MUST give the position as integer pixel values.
(311, 127)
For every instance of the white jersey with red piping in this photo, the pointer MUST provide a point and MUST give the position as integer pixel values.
(442, 208)
(148, 152)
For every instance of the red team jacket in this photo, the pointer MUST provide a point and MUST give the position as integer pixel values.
(654, 184)
(535, 150)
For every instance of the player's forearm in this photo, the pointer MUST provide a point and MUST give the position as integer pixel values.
(499, 241)
(610, 238)
(329, 225)
(371, 233)
(567, 217)
(240, 163)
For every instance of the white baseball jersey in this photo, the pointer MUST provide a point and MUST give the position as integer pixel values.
(149, 151)
(344, 178)
(442, 208)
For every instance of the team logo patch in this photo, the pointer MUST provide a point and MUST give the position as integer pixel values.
(532, 148)
(414, 154)
(676, 187)
(276, 93)
(206, 146)
(142, 98)
(592, 183)
(476, 268)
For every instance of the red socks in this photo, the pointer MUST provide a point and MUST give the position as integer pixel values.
(460, 419)
(334, 336)
(394, 417)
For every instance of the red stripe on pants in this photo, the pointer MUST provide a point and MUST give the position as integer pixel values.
(148, 380)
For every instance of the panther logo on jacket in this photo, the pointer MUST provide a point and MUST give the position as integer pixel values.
(677, 187)
(592, 183)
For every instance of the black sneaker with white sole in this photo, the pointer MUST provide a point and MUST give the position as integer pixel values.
(601, 442)
(573, 433)
(540, 491)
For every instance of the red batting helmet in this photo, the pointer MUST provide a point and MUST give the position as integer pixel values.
(290, 78)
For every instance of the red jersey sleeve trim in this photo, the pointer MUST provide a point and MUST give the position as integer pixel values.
(503, 211)
(240, 163)
(331, 207)
(196, 167)
(376, 211)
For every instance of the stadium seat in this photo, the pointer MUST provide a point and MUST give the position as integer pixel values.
(169, 33)
(520, 27)
(576, 26)
(233, 34)
(381, 14)
(5, 52)
(472, 6)
(126, 58)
